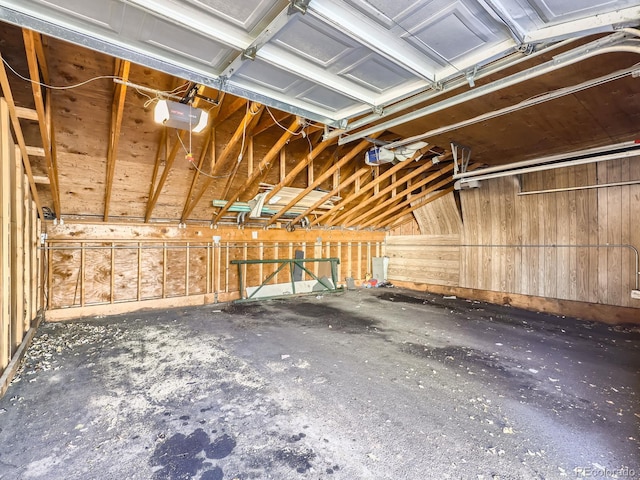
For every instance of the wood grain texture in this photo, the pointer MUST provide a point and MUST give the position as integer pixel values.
(425, 258)
(513, 243)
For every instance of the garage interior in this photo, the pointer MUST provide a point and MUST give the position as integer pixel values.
(319, 239)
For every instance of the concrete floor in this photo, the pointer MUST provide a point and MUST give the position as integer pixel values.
(369, 384)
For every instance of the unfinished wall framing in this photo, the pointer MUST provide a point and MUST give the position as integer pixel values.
(575, 245)
(19, 255)
(91, 267)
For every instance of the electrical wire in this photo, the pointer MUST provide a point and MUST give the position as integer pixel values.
(282, 126)
(53, 87)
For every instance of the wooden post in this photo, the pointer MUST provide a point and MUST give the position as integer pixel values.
(341, 261)
(6, 151)
(276, 256)
(26, 245)
(139, 258)
(164, 269)
(82, 267)
(226, 284)
(112, 291)
(186, 271)
(17, 251)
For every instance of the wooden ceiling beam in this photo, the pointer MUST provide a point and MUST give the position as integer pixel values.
(245, 126)
(227, 108)
(196, 175)
(17, 130)
(162, 145)
(425, 192)
(269, 121)
(352, 217)
(117, 109)
(26, 113)
(351, 179)
(44, 120)
(338, 208)
(375, 221)
(317, 150)
(263, 167)
(407, 211)
(328, 173)
(236, 165)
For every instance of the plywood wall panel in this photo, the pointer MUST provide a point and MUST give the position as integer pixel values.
(432, 257)
(518, 243)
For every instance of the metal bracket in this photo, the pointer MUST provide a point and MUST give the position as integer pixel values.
(298, 6)
(465, 156)
(250, 53)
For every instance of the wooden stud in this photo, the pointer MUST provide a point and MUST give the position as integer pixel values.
(384, 205)
(17, 130)
(21, 112)
(164, 270)
(45, 130)
(207, 144)
(351, 179)
(357, 194)
(112, 280)
(6, 152)
(301, 165)
(153, 199)
(26, 245)
(83, 262)
(243, 129)
(139, 273)
(343, 161)
(263, 167)
(17, 249)
(186, 270)
(351, 214)
(117, 109)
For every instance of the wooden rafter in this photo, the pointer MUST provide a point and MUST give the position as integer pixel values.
(162, 145)
(409, 197)
(338, 208)
(117, 108)
(328, 173)
(263, 167)
(196, 174)
(431, 199)
(228, 108)
(248, 143)
(404, 212)
(17, 129)
(44, 120)
(352, 216)
(244, 128)
(351, 179)
(153, 199)
(317, 150)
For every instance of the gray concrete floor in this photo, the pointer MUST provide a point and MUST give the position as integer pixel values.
(370, 384)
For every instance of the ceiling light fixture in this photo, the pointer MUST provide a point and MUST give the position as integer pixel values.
(180, 115)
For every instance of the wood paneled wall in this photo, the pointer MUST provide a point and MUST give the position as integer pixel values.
(560, 245)
(93, 265)
(19, 255)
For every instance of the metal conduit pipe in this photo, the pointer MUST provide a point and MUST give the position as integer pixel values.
(527, 103)
(551, 166)
(605, 245)
(452, 84)
(618, 42)
(550, 159)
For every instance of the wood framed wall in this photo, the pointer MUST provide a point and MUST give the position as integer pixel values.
(19, 255)
(100, 267)
(568, 247)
